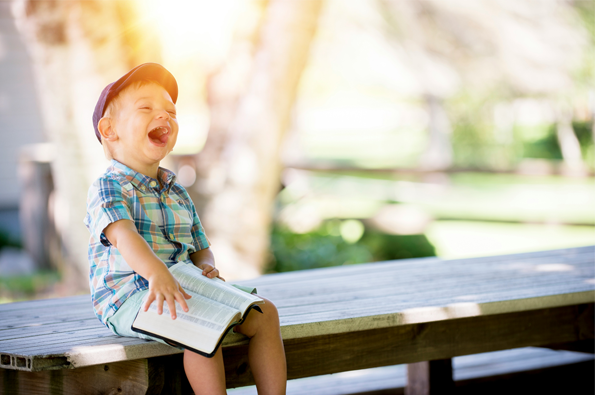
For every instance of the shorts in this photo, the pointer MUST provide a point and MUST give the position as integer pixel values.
(121, 322)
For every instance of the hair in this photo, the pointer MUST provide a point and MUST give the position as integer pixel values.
(114, 106)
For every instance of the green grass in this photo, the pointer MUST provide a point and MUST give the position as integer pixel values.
(26, 287)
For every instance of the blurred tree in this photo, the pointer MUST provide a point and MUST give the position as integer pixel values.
(403, 29)
(251, 99)
(586, 11)
(78, 47)
(567, 140)
(499, 50)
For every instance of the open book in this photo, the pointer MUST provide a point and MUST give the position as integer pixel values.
(215, 308)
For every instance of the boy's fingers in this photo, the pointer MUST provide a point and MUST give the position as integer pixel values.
(172, 307)
(150, 299)
(159, 301)
(186, 294)
(182, 301)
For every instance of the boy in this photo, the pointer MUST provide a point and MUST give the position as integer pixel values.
(142, 222)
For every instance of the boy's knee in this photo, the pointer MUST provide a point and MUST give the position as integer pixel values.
(269, 319)
(269, 310)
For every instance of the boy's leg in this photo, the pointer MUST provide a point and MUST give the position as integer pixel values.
(266, 354)
(206, 375)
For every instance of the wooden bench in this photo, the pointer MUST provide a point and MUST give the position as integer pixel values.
(333, 320)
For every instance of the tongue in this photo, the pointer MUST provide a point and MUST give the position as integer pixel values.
(158, 138)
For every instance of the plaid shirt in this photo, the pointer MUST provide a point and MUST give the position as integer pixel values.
(165, 218)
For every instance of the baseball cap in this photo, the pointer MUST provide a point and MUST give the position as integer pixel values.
(146, 71)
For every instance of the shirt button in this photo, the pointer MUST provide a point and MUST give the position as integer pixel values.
(153, 184)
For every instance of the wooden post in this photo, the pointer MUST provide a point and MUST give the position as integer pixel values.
(430, 377)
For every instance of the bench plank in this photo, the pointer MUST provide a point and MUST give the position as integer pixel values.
(326, 302)
(129, 377)
(420, 342)
(393, 379)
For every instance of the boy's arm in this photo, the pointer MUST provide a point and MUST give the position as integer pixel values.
(204, 259)
(140, 257)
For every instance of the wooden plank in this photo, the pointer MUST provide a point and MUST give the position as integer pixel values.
(309, 309)
(61, 327)
(43, 303)
(456, 296)
(392, 283)
(393, 379)
(57, 343)
(436, 297)
(391, 279)
(453, 283)
(66, 345)
(63, 348)
(375, 282)
(71, 338)
(323, 323)
(421, 342)
(41, 319)
(129, 377)
(308, 301)
(430, 377)
(475, 291)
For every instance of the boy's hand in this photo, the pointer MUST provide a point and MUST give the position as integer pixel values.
(209, 270)
(163, 287)
(204, 260)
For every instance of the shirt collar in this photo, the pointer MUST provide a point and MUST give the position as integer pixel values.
(141, 181)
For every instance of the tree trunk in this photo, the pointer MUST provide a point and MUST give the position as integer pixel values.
(239, 168)
(438, 154)
(77, 48)
(568, 142)
(403, 27)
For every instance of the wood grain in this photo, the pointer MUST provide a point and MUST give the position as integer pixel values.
(343, 318)
(129, 377)
(421, 342)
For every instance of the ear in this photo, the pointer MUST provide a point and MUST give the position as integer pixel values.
(106, 129)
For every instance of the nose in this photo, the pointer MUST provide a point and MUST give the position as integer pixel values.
(163, 114)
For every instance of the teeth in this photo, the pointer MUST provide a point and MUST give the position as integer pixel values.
(159, 131)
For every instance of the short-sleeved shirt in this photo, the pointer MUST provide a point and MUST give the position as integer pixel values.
(164, 216)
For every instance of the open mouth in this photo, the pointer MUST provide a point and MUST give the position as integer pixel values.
(159, 135)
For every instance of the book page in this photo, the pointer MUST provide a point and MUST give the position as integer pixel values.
(191, 278)
(201, 327)
(202, 311)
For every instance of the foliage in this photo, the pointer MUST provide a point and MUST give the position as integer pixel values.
(547, 147)
(321, 248)
(27, 286)
(475, 140)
